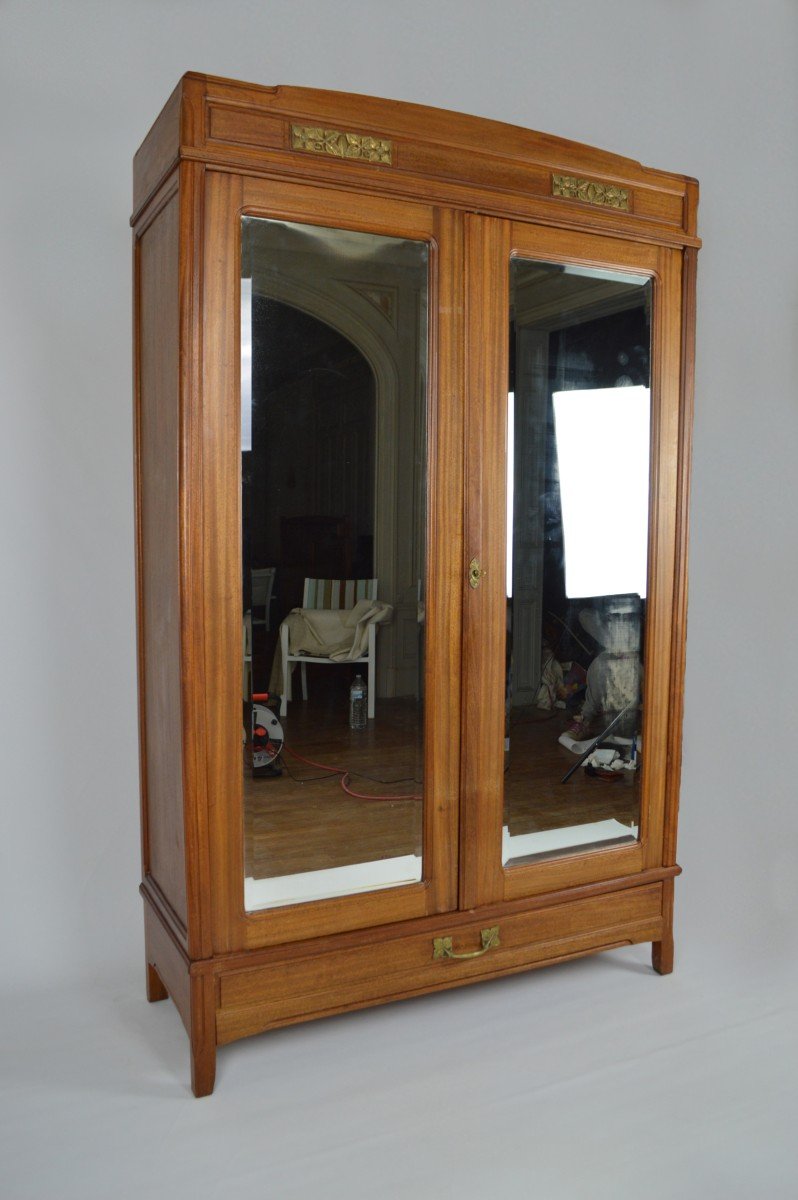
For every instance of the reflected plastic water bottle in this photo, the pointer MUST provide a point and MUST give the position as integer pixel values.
(358, 708)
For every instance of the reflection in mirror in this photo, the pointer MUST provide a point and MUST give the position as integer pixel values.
(577, 556)
(333, 454)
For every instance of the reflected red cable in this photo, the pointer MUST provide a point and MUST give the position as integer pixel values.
(344, 773)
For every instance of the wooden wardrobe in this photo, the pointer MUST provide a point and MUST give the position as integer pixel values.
(466, 348)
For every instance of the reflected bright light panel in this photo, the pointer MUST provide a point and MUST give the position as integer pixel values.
(510, 488)
(246, 364)
(602, 437)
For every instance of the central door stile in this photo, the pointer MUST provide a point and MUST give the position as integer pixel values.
(443, 608)
(487, 248)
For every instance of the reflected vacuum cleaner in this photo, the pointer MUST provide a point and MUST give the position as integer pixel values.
(267, 737)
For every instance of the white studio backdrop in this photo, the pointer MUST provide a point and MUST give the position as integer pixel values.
(706, 88)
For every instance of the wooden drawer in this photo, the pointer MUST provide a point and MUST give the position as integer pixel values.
(388, 968)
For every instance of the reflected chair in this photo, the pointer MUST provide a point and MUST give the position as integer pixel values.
(246, 681)
(331, 594)
(262, 586)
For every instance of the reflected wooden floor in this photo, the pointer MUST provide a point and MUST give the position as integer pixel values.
(535, 797)
(302, 821)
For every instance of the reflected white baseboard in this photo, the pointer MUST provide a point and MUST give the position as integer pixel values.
(334, 881)
(545, 841)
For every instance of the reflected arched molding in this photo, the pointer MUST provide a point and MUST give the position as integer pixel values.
(382, 298)
(350, 310)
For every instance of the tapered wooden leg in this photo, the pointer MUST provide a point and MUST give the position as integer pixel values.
(662, 952)
(155, 988)
(662, 956)
(203, 1034)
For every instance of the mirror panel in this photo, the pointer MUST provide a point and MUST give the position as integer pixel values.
(578, 458)
(334, 336)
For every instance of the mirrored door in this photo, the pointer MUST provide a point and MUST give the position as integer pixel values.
(334, 415)
(577, 485)
(438, 504)
(336, 712)
(581, 440)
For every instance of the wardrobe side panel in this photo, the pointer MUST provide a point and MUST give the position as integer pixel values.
(158, 153)
(158, 432)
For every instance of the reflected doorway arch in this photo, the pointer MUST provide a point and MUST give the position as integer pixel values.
(312, 481)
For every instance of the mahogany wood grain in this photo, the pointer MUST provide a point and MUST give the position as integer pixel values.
(662, 952)
(339, 209)
(445, 157)
(662, 948)
(561, 952)
(677, 670)
(665, 377)
(218, 597)
(166, 956)
(155, 988)
(159, 152)
(203, 1033)
(432, 145)
(490, 382)
(191, 987)
(454, 920)
(254, 999)
(192, 613)
(486, 290)
(317, 972)
(227, 197)
(443, 585)
(159, 626)
(476, 191)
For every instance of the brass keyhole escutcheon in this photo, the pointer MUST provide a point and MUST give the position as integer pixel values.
(475, 573)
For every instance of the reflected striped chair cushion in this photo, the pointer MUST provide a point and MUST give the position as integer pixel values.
(338, 593)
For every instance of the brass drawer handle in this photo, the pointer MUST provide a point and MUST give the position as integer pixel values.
(442, 946)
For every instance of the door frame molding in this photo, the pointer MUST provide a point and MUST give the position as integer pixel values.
(217, 480)
(491, 243)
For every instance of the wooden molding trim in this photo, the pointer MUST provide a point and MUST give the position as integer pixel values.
(460, 160)
(453, 920)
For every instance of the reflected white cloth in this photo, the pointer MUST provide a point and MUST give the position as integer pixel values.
(340, 634)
